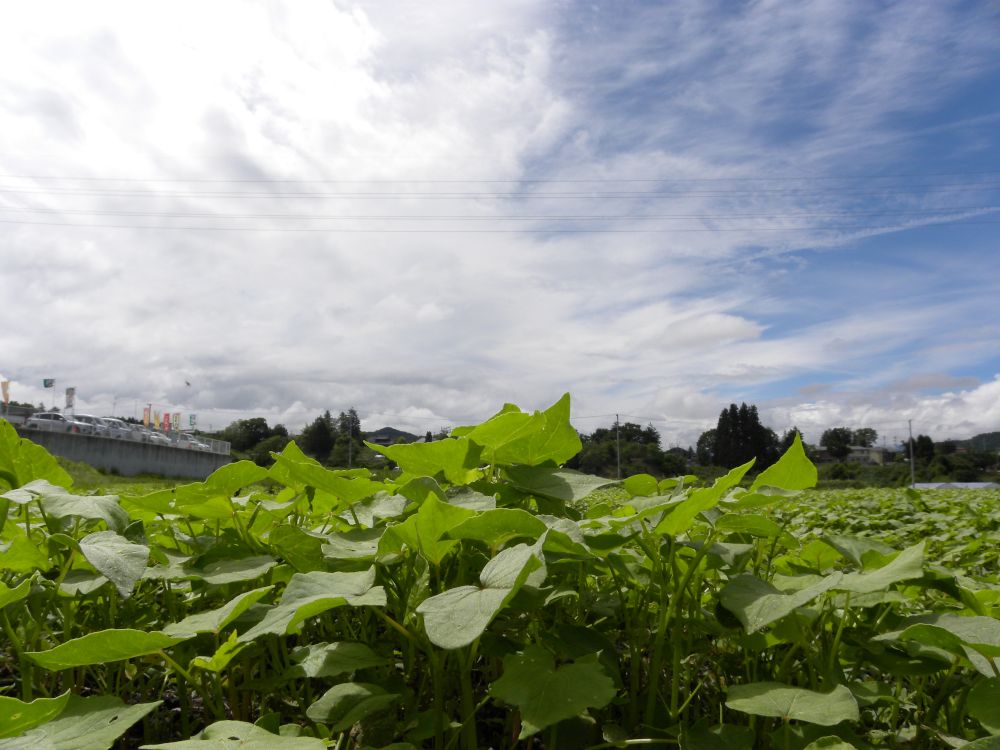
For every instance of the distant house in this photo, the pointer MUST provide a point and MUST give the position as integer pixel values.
(870, 455)
(390, 436)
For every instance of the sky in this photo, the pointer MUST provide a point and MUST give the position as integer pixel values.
(424, 210)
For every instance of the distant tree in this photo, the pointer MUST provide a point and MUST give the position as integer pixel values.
(740, 436)
(837, 441)
(788, 438)
(865, 437)
(279, 430)
(317, 439)
(637, 447)
(922, 449)
(244, 434)
(705, 449)
(349, 424)
(260, 454)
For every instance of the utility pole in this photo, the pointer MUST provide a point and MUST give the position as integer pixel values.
(913, 475)
(618, 447)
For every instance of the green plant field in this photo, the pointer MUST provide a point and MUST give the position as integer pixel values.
(486, 597)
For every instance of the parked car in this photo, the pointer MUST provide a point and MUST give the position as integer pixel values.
(186, 440)
(99, 428)
(158, 438)
(119, 428)
(55, 422)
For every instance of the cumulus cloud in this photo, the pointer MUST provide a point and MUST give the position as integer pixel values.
(308, 206)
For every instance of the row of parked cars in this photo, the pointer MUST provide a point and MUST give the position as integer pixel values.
(111, 427)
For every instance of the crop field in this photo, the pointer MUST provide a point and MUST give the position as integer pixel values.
(484, 597)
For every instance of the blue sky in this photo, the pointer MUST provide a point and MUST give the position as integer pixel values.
(659, 207)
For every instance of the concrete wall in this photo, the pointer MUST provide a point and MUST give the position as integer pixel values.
(127, 457)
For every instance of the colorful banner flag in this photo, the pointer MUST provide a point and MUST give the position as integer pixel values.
(5, 387)
(176, 421)
(192, 420)
(166, 421)
(70, 397)
(48, 382)
(156, 420)
(145, 417)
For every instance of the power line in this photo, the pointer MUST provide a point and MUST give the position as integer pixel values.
(479, 181)
(521, 195)
(544, 230)
(503, 217)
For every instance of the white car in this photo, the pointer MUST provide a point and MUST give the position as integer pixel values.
(99, 428)
(53, 421)
(119, 428)
(185, 440)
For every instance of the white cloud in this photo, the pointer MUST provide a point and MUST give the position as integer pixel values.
(442, 326)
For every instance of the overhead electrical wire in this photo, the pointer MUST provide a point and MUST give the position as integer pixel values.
(475, 195)
(540, 230)
(454, 180)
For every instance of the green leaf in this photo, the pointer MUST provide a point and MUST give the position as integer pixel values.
(214, 620)
(58, 504)
(10, 595)
(907, 565)
(310, 594)
(454, 459)
(856, 549)
(102, 646)
(308, 472)
(301, 549)
(356, 545)
(93, 723)
(681, 517)
(560, 484)
(497, 527)
(830, 742)
(757, 603)
(333, 659)
(239, 735)
(984, 704)
(234, 571)
(22, 461)
(344, 705)
(17, 717)
(222, 656)
(20, 554)
(978, 638)
(458, 616)
(793, 471)
(117, 558)
(546, 694)
(754, 525)
(517, 438)
(423, 531)
(786, 703)
(231, 478)
(641, 485)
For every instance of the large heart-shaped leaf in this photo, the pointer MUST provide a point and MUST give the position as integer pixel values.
(103, 646)
(122, 561)
(239, 735)
(17, 717)
(458, 616)
(757, 603)
(344, 705)
(546, 694)
(786, 702)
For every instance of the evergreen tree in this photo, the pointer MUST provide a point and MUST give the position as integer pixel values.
(740, 436)
(318, 438)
